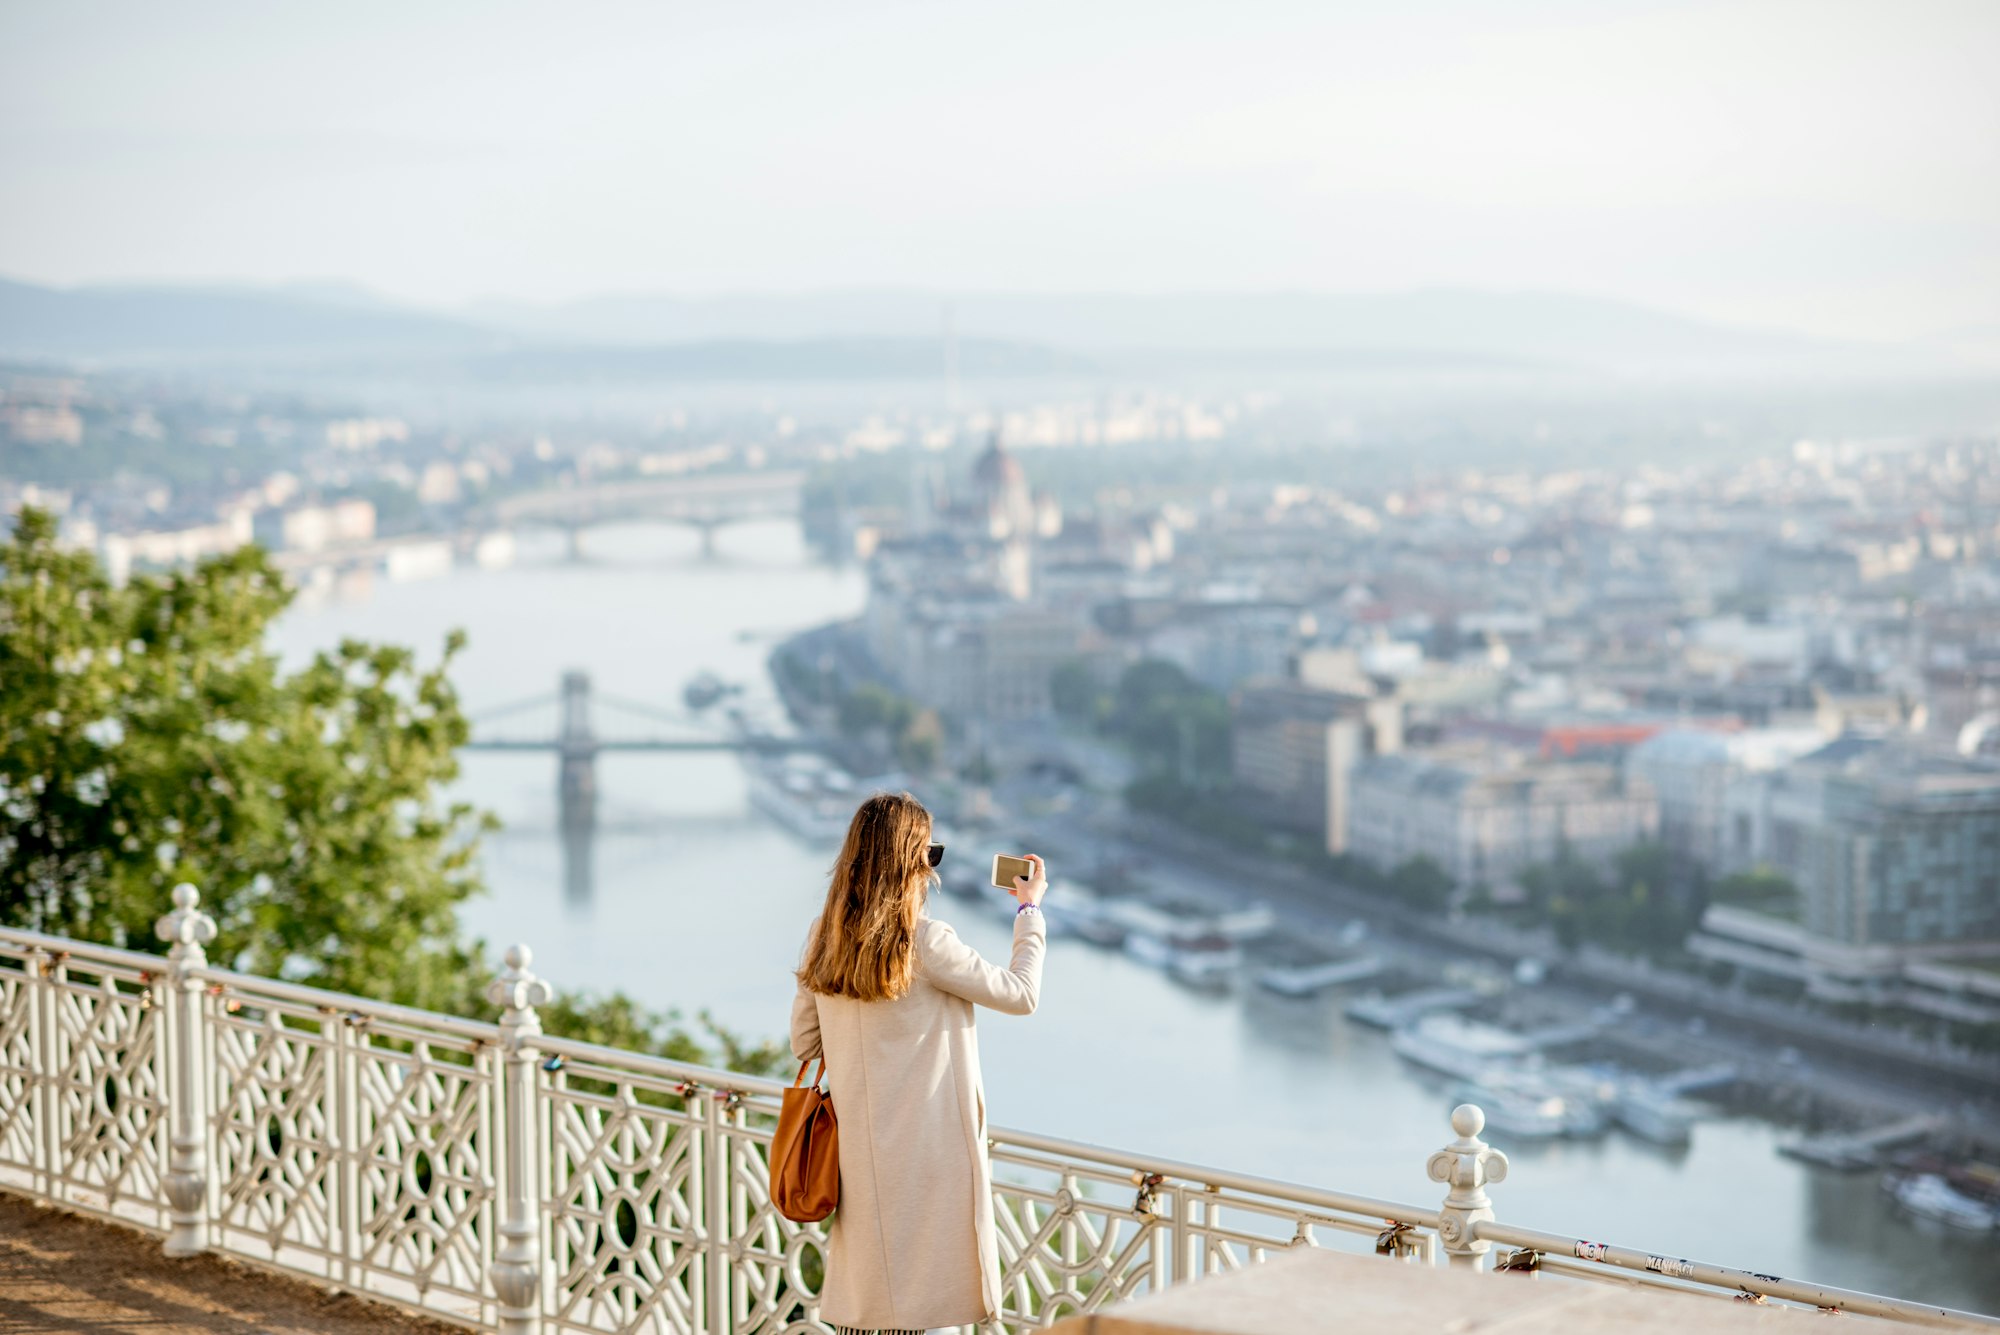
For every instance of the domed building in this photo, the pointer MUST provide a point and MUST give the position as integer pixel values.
(1000, 493)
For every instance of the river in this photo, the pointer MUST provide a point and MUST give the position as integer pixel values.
(698, 902)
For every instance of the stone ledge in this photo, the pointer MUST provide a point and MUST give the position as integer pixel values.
(1309, 1289)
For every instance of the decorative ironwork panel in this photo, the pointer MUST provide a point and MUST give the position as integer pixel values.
(626, 1188)
(423, 1162)
(275, 1145)
(366, 1143)
(107, 1106)
(18, 1130)
(776, 1265)
(1073, 1240)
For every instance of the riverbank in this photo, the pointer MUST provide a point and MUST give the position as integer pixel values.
(1813, 1076)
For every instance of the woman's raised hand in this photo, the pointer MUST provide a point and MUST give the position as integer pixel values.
(1029, 889)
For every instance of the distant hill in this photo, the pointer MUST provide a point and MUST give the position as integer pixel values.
(173, 323)
(896, 334)
(330, 322)
(1445, 327)
(775, 359)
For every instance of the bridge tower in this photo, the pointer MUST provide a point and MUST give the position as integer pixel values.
(706, 525)
(576, 746)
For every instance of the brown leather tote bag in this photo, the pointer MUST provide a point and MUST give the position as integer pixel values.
(805, 1152)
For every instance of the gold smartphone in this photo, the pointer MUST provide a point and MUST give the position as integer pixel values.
(1006, 868)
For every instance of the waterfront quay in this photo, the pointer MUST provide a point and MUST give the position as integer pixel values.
(1814, 1073)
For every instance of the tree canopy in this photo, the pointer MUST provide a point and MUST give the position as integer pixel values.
(1646, 907)
(149, 736)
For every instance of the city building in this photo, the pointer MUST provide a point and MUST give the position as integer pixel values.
(1895, 854)
(42, 423)
(979, 659)
(1486, 815)
(1294, 747)
(314, 528)
(953, 618)
(124, 553)
(1691, 771)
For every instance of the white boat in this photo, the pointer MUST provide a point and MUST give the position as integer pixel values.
(1093, 925)
(1135, 917)
(1380, 1012)
(1454, 1045)
(1245, 924)
(1930, 1196)
(1519, 1114)
(704, 689)
(1312, 979)
(806, 794)
(1209, 961)
(1651, 1114)
(1531, 1105)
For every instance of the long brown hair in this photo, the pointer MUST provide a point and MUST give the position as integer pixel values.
(865, 943)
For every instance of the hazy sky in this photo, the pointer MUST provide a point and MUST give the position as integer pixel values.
(1819, 164)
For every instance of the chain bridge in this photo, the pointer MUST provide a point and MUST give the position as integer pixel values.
(703, 503)
(577, 744)
(486, 1172)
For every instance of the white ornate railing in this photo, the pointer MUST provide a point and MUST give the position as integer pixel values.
(501, 1177)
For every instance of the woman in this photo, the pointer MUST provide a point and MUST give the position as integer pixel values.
(885, 997)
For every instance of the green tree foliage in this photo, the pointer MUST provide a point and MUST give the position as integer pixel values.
(1198, 810)
(1646, 907)
(871, 708)
(1420, 883)
(920, 742)
(1759, 890)
(1172, 723)
(813, 684)
(1074, 693)
(617, 1021)
(147, 736)
(913, 734)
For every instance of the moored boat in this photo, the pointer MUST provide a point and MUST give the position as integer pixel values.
(1520, 1116)
(806, 794)
(1312, 979)
(1653, 1115)
(1454, 1045)
(1931, 1197)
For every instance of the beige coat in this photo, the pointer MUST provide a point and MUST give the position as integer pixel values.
(912, 1244)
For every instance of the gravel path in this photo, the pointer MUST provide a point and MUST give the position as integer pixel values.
(61, 1274)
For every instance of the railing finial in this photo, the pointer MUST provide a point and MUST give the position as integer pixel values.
(517, 1273)
(186, 930)
(1468, 1164)
(517, 991)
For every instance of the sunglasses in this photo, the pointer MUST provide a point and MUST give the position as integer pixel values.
(936, 854)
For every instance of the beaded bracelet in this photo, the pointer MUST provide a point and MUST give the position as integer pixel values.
(1027, 908)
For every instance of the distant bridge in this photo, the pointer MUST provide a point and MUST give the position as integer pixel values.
(577, 743)
(704, 502)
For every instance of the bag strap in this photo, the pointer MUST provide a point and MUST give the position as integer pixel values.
(799, 1080)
